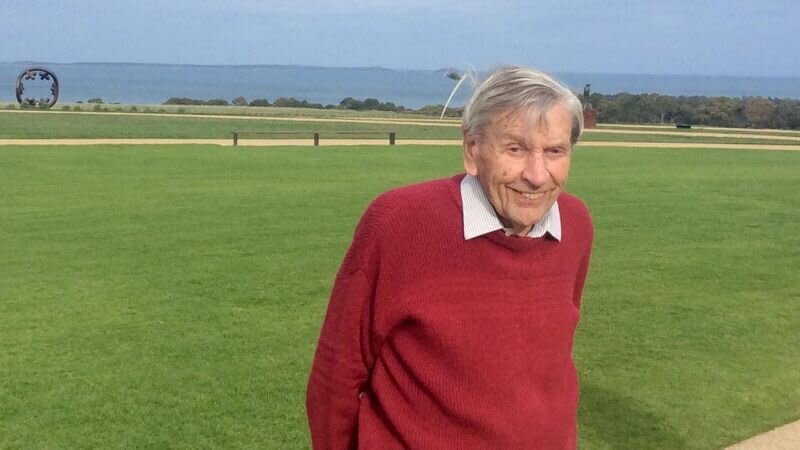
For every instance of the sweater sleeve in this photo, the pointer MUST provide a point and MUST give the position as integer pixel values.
(341, 364)
(583, 270)
(580, 279)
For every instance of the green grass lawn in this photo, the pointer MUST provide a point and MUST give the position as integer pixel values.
(158, 296)
(698, 129)
(688, 138)
(231, 110)
(99, 125)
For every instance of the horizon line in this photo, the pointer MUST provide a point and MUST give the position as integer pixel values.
(393, 69)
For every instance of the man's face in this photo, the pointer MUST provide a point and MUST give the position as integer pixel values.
(522, 163)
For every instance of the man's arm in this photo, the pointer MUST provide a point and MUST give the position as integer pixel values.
(580, 278)
(342, 360)
(583, 267)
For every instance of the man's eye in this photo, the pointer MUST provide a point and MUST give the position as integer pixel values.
(515, 149)
(555, 151)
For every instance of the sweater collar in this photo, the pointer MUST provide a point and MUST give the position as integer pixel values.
(480, 217)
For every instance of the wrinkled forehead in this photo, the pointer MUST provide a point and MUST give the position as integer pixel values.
(533, 119)
(514, 120)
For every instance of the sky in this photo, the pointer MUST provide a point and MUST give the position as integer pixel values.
(697, 37)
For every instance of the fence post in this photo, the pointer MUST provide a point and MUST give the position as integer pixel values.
(235, 139)
(316, 139)
(391, 138)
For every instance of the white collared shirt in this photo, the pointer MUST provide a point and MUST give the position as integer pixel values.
(480, 218)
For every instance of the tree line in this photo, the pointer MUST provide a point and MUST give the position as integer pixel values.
(740, 112)
(368, 104)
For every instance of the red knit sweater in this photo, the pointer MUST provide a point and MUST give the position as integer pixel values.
(434, 342)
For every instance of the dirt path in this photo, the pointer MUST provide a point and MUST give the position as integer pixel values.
(786, 437)
(347, 142)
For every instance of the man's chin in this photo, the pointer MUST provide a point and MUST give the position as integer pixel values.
(530, 220)
(527, 225)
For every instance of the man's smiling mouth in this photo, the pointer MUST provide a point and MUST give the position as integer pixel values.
(528, 195)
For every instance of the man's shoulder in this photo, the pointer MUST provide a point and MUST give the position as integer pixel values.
(574, 212)
(419, 197)
(572, 203)
(426, 190)
(409, 210)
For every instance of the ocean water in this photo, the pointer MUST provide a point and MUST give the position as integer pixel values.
(155, 83)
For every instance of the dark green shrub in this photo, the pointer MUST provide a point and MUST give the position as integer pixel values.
(260, 102)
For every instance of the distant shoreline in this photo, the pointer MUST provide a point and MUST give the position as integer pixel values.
(682, 111)
(395, 69)
(152, 84)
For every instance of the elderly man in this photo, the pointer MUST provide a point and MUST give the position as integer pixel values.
(451, 320)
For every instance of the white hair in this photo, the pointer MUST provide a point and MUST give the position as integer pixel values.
(518, 89)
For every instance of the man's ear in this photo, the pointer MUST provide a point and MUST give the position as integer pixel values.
(470, 144)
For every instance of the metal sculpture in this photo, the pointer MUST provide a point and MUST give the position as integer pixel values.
(41, 74)
(459, 77)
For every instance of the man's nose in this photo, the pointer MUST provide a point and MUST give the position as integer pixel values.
(535, 171)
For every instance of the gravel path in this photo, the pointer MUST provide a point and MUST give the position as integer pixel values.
(786, 437)
(347, 142)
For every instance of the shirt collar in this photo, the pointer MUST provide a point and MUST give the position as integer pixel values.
(480, 218)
